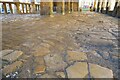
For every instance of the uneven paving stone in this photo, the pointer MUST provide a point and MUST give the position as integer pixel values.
(26, 70)
(48, 76)
(39, 69)
(49, 42)
(78, 70)
(60, 47)
(114, 31)
(4, 63)
(116, 53)
(28, 44)
(105, 35)
(75, 56)
(42, 51)
(46, 45)
(59, 38)
(97, 71)
(54, 62)
(95, 54)
(5, 52)
(12, 67)
(25, 57)
(60, 74)
(39, 60)
(100, 42)
(105, 55)
(13, 56)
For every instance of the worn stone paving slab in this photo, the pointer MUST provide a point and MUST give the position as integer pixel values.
(48, 76)
(12, 68)
(75, 56)
(54, 62)
(60, 74)
(97, 71)
(78, 70)
(39, 69)
(13, 56)
(39, 60)
(41, 51)
(5, 52)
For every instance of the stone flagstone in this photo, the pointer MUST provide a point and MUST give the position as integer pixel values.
(42, 51)
(60, 74)
(39, 60)
(39, 69)
(97, 71)
(13, 56)
(78, 70)
(5, 52)
(75, 56)
(54, 62)
(12, 68)
(48, 76)
(45, 45)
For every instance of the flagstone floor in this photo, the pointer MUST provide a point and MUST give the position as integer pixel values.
(77, 45)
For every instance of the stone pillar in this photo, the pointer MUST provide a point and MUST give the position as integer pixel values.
(51, 8)
(78, 6)
(118, 10)
(102, 6)
(111, 7)
(69, 6)
(63, 7)
(94, 8)
(72, 6)
(23, 8)
(98, 6)
(107, 6)
(29, 8)
(26, 8)
(112, 4)
(45, 8)
(38, 7)
(10, 5)
(115, 9)
(18, 7)
(33, 6)
(5, 8)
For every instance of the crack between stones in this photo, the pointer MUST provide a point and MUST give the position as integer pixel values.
(88, 68)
